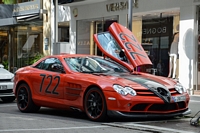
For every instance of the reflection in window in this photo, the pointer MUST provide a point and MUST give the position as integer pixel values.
(93, 64)
(47, 64)
(109, 44)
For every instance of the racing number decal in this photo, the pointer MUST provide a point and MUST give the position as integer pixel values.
(129, 43)
(47, 89)
(54, 90)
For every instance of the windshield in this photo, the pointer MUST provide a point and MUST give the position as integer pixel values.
(93, 65)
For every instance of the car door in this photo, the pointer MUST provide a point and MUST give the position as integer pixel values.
(47, 82)
(120, 43)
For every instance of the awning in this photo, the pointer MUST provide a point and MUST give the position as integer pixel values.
(27, 17)
(7, 21)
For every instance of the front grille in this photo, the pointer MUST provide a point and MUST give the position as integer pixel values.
(139, 107)
(158, 107)
(150, 93)
(173, 91)
(163, 107)
(6, 91)
(5, 80)
(145, 93)
(181, 105)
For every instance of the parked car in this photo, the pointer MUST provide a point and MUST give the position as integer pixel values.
(101, 86)
(6, 85)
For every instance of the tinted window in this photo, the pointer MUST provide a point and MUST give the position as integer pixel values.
(47, 64)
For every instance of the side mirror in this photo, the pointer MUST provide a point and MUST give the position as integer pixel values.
(57, 68)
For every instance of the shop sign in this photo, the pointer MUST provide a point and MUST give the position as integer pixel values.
(27, 8)
(120, 6)
(151, 31)
(84, 42)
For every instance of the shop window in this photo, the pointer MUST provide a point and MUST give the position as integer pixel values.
(28, 44)
(63, 32)
(156, 39)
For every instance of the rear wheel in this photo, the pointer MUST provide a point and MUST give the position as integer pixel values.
(8, 99)
(24, 99)
(95, 105)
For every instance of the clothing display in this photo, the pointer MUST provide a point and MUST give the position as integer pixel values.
(173, 56)
(174, 45)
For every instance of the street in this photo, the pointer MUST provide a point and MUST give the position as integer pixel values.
(58, 121)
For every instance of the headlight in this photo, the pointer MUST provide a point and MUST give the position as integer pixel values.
(124, 90)
(179, 88)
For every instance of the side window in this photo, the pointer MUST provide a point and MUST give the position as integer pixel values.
(39, 66)
(109, 44)
(48, 63)
(74, 63)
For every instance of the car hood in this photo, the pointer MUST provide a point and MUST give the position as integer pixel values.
(5, 74)
(144, 79)
(127, 42)
(141, 81)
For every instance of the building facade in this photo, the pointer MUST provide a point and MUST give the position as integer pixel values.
(23, 29)
(30, 28)
(154, 24)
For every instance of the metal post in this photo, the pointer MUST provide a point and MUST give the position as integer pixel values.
(55, 25)
(130, 4)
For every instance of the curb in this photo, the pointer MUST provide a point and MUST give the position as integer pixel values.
(143, 126)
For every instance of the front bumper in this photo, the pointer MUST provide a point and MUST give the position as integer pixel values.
(6, 91)
(147, 115)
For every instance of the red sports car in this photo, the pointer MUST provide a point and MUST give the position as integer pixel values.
(101, 86)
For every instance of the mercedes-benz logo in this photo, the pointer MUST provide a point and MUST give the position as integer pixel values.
(162, 91)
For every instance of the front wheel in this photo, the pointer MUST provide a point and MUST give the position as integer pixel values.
(95, 105)
(24, 99)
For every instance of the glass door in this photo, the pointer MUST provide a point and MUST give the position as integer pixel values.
(28, 44)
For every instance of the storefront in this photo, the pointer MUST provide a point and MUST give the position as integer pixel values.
(154, 24)
(22, 38)
(89, 27)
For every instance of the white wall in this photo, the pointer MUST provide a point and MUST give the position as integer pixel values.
(63, 14)
(187, 46)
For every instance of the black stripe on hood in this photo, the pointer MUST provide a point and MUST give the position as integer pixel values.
(157, 88)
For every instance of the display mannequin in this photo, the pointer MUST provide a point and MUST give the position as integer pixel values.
(173, 55)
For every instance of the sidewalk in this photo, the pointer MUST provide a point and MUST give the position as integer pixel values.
(179, 125)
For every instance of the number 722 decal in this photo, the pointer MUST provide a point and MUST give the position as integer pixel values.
(50, 82)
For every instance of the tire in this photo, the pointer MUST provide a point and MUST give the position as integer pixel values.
(8, 99)
(24, 99)
(95, 105)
